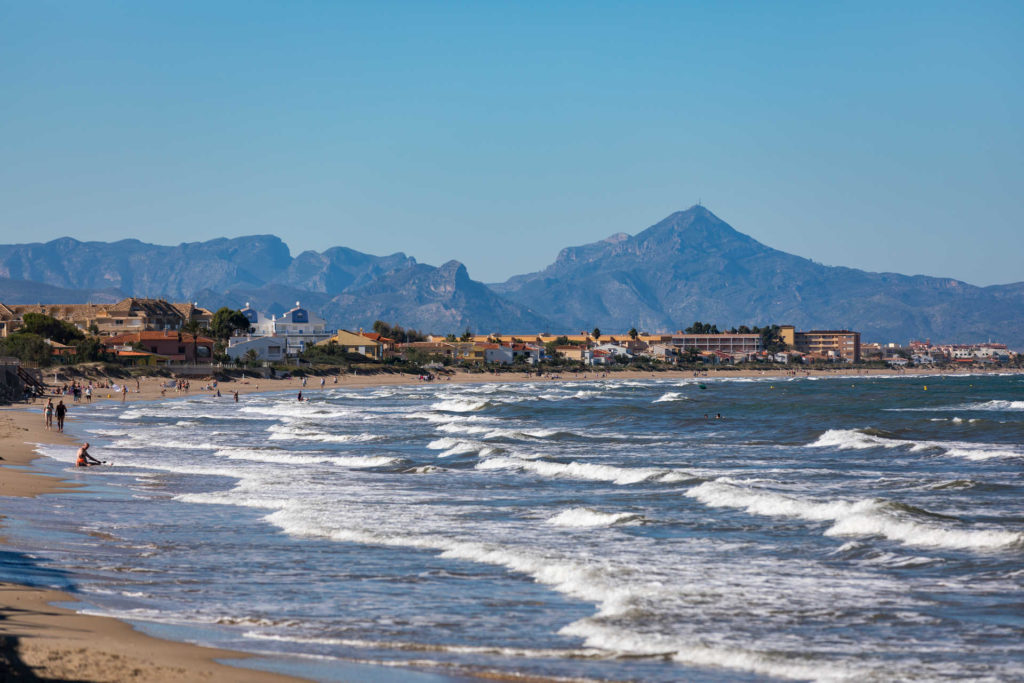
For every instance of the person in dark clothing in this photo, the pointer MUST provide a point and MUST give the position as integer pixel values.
(61, 410)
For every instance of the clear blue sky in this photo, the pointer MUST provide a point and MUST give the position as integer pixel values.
(861, 134)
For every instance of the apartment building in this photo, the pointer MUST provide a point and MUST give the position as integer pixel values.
(732, 344)
(843, 344)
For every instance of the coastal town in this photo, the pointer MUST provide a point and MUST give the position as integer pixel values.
(150, 332)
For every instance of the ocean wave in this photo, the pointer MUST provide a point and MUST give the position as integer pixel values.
(866, 517)
(285, 432)
(284, 457)
(294, 409)
(491, 432)
(450, 447)
(581, 470)
(407, 646)
(616, 639)
(995, 405)
(460, 405)
(588, 517)
(857, 439)
(669, 396)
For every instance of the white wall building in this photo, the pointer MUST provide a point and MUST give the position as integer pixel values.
(296, 329)
(267, 348)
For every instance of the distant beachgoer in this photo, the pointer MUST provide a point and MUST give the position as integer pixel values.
(124, 393)
(88, 393)
(84, 459)
(300, 396)
(48, 414)
(718, 416)
(236, 397)
(61, 410)
(303, 381)
(322, 382)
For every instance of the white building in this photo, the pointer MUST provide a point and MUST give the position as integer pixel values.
(267, 348)
(295, 330)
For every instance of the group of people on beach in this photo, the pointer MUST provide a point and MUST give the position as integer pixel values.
(76, 391)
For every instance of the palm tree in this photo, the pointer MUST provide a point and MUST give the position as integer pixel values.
(633, 333)
(192, 327)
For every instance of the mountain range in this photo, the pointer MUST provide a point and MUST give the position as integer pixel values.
(689, 266)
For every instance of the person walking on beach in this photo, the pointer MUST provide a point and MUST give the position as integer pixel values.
(48, 413)
(84, 459)
(61, 410)
(124, 393)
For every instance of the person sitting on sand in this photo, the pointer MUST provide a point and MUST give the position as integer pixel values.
(84, 459)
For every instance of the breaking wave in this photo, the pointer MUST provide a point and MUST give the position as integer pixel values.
(869, 517)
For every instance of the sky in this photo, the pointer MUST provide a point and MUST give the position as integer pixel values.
(882, 136)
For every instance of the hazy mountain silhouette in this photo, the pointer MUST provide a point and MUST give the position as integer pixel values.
(694, 266)
(690, 266)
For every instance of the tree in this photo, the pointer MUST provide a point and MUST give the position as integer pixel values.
(596, 334)
(192, 327)
(27, 347)
(467, 335)
(226, 322)
(397, 332)
(49, 327)
(771, 338)
(251, 356)
(632, 333)
(89, 349)
(702, 328)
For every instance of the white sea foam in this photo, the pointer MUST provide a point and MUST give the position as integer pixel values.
(491, 432)
(408, 646)
(669, 397)
(288, 432)
(611, 638)
(578, 470)
(306, 410)
(459, 405)
(588, 517)
(450, 447)
(866, 517)
(847, 439)
(995, 405)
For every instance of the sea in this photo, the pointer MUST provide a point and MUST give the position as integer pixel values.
(663, 529)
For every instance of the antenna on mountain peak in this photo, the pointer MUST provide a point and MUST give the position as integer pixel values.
(699, 202)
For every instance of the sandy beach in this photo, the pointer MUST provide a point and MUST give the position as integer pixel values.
(43, 641)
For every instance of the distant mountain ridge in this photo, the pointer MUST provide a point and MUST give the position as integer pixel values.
(689, 266)
(694, 266)
(350, 288)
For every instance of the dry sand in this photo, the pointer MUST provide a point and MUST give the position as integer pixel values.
(38, 640)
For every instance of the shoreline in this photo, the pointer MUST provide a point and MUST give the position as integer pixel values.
(39, 640)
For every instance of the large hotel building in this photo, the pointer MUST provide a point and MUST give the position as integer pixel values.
(841, 343)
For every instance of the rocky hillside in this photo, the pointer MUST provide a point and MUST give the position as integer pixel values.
(694, 266)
